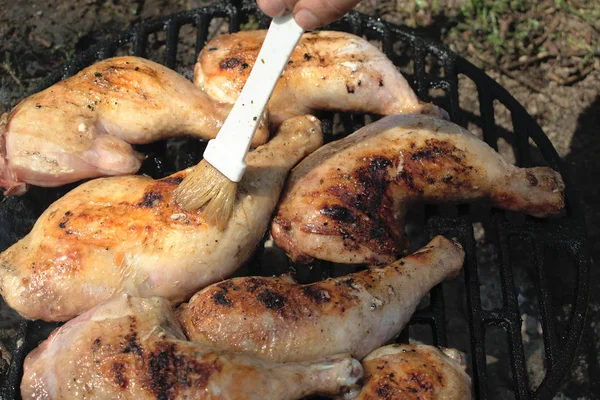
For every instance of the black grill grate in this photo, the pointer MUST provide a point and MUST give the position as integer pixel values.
(427, 66)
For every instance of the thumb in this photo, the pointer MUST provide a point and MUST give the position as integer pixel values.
(311, 14)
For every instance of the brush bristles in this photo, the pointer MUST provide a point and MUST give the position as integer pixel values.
(207, 186)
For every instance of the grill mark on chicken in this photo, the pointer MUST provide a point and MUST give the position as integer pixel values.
(97, 345)
(232, 63)
(132, 344)
(366, 206)
(340, 214)
(63, 224)
(424, 382)
(168, 370)
(423, 164)
(228, 285)
(221, 299)
(533, 181)
(120, 374)
(317, 295)
(175, 180)
(151, 200)
(296, 304)
(271, 300)
(350, 283)
(373, 181)
(383, 391)
(253, 284)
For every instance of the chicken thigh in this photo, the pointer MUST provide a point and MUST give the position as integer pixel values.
(132, 348)
(328, 70)
(83, 126)
(412, 372)
(128, 235)
(346, 202)
(279, 320)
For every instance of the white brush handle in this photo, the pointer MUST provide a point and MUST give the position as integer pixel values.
(227, 152)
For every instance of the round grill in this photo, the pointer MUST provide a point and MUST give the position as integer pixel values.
(480, 312)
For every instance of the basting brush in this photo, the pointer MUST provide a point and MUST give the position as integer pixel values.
(212, 183)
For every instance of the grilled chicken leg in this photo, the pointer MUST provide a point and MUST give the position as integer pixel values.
(82, 127)
(132, 348)
(327, 71)
(279, 320)
(346, 202)
(127, 235)
(411, 372)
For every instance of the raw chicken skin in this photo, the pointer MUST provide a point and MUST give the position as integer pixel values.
(415, 372)
(132, 348)
(82, 127)
(328, 70)
(346, 202)
(279, 320)
(127, 235)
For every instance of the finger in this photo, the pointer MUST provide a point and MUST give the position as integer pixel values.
(312, 14)
(276, 8)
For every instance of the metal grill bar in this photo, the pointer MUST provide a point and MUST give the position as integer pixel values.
(549, 332)
(172, 28)
(140, 41)
(523, 153)
(438, 317)
(475, 314)
(202, 22)
(234, 19)
(512, 319)
(562, 352)
(486, 106)
(420, 75)
(567, 233)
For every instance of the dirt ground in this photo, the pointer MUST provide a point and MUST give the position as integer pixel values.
(545, 53)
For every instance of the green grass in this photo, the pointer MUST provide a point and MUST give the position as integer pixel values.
(587, 10)
(505, 28)
(500, 25)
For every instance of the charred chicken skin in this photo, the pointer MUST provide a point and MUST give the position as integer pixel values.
(415, 372)
(346, 202)
(133, 348)
(327, 71)
(127, 235)
(279, 320)
(84, 126)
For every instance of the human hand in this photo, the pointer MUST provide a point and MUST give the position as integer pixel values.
(309, 14)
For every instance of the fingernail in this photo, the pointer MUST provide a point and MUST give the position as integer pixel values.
(307, 20)
(273, 9)
(279, 10)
